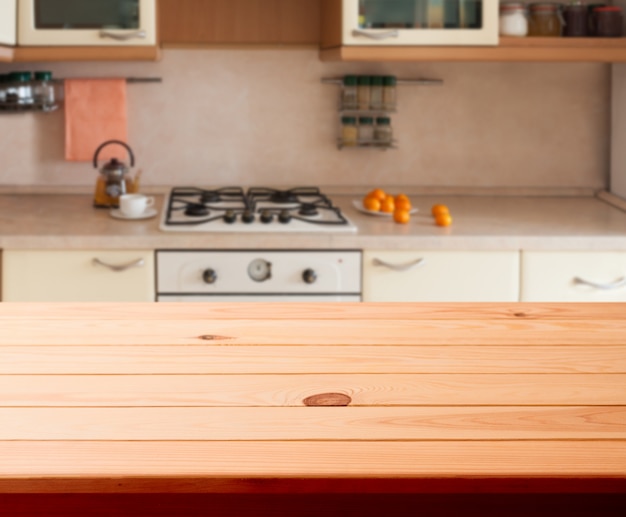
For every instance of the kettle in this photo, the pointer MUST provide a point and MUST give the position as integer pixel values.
(114, 179)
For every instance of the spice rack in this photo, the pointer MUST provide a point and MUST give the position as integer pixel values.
(363, 124)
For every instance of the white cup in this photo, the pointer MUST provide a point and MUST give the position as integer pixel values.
(134, 205)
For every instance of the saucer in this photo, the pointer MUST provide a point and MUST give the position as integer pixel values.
(147, 214)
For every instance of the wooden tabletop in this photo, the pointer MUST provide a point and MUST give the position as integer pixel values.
(262, 398)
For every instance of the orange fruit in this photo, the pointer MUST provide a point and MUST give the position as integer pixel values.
(402, 203)
(401, 216)
(371, 203)
(377, 193)
(402, 196)
(439, 209)
(443, 219)
(388, 205)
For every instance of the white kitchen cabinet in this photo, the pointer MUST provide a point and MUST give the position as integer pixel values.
(8, 21)
(78, 276)
(437, 276)
(573, 276)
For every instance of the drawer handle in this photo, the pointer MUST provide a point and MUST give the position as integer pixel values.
(376, 35)
(119, 267)
(123, 36)
(398, 267)
(617, 284)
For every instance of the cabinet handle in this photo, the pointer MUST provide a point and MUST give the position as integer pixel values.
(123, 36)
(121, 267)
(398, 267)
(376, 35)
(617, 284)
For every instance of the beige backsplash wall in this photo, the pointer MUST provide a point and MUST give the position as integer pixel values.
(228, 116)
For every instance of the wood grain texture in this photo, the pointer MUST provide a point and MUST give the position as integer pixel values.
(310, 359)
(138, 53)
(292, 390)
(210, 397)
(603, 50)
(205, 22)
(312, 332)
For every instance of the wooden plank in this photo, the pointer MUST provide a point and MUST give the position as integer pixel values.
(205, 22)
(331, 23)
(6, 53)
(291, 390)
(310, 360)
(226, 465)
(319, 332)
(135, 53)
(508, 51)
(315, 423)
(313, 311)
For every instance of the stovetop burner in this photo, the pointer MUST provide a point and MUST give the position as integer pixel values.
(256, 209)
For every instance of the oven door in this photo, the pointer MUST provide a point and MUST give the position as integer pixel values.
(259, 298)
(86, 22)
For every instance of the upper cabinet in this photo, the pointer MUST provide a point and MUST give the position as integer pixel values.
(418, 22)
(57, 30)
(212, 22)
(444, 30)
(7, 22)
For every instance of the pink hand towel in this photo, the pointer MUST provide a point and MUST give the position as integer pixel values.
(95, 111)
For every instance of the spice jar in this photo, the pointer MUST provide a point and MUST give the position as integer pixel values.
(364, 86)
(349, 98)
(545, 19)
(575, 16)
(366, 130)
(43, 89)
(591, 18)
(382, 131)
(349, 133)
(389, 92)
(513, 19)
(376, 93)
(609, 22)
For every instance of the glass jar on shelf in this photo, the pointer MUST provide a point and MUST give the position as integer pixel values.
(19, 89)
(389, 93)
(575, 16)
(349, 96)
(364, 92)
(366, 130)
(513, 19)
(349, 131)
(545, 19)
(609, 21)
(382, 132)
(43, 89)
(376, 93)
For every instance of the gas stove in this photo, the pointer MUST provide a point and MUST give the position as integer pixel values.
(257, 209)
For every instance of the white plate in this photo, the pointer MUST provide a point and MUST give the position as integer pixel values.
(150, 212)
(358, 204)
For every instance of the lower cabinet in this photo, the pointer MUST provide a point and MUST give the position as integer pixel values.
(441, 276)
(573, 276)
(78, 276)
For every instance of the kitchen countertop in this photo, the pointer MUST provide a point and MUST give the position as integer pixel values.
(481, 222)
(233, 398)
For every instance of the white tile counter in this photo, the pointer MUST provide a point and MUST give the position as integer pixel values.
(68, 221)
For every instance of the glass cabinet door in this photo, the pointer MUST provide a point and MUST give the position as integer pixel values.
(420, 22)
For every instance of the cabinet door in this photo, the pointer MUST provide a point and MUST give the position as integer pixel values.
(434, 276)
(572, 276)
(419, 22)
(78, 276)
(8, 22)
(239, 21)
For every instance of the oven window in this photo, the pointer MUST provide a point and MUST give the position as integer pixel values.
(86, 14)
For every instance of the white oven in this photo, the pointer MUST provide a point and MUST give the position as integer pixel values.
(260, 275)
(86, 22)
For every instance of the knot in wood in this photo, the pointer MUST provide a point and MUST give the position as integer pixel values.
(327, 399)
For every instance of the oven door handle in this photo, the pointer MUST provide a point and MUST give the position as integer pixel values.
(123, 36)
(398, 267)
(119, 267)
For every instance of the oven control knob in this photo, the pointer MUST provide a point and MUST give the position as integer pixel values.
(266, 216)
(260, 270)
(309, 276)
(209, 276)
(247, 216)
(284, 216)
(230, 216)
